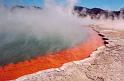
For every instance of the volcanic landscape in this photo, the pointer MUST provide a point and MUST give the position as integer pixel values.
(29, 44)
(34, 39)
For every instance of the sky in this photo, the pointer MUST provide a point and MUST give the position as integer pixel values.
(23, 2)
(105, 4)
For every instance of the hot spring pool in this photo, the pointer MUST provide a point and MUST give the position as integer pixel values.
(31, 55)
(34, 39)
(16, 48)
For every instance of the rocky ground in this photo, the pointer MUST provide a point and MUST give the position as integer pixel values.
(104, 64)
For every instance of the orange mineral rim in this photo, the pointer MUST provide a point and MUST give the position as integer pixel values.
(51, 60)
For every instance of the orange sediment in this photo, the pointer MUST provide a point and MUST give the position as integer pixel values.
(52, 60)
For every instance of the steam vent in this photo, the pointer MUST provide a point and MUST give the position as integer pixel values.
(27, 55)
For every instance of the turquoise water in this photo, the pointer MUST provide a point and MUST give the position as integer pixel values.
(17, 46)
(26, 47)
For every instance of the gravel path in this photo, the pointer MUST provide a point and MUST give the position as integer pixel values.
(105, 64)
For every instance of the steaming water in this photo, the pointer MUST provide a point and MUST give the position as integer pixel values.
(24, 48)
(21, 47)
(26, 33)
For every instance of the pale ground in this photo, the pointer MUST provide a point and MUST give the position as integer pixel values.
(105, 64)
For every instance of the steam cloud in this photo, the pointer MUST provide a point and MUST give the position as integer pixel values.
(117, 24)
(29, 32)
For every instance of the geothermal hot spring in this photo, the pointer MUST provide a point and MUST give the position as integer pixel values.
(34, 39)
